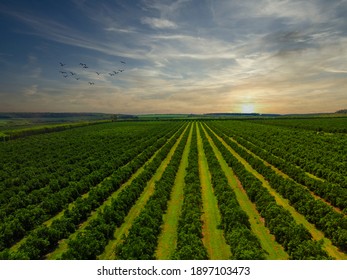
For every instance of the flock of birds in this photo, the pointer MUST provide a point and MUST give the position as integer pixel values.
(66, 73)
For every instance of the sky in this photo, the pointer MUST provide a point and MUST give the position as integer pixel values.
(183, 56)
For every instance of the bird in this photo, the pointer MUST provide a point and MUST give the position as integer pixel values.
(62, 64)
(121, 70)
(91, 83)
(97, 73)
(123, 62)
(65, 76)
(77, 78)
(115, 72)
(111, 74)
(72, 73)
(63, 72)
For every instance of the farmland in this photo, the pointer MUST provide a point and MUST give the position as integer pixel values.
(177, 189)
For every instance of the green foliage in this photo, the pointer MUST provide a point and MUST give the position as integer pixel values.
(102, 228)
(327, 124)
(327, 219)
(279, 221)
(237, 230)
(54, 200)
(43, 175)
(189, 231)
(142, 239)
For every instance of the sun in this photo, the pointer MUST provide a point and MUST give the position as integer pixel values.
(247, 108)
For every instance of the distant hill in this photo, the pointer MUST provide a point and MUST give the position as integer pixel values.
(343, 111)
(28, 115)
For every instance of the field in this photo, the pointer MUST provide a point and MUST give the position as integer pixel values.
(18, 125)
(177, 189)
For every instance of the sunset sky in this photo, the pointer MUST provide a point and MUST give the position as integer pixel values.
(185, 56)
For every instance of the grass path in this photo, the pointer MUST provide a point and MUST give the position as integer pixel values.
(300, 219)
(213, 237)
(109, 252)
(267, 240)
(168, 238)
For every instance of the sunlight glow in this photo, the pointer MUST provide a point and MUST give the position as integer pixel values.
(247, 108)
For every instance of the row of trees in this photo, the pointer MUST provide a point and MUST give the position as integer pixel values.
(16, 224)
(44, 172)
(20, 133)
(50, 167)
(142, 239)
(325, 217)
(317, 124)
(67, 224)
(25, 159)
(79, 212)
(294, 238)
(189, 230)
(90, 241)
(80, 209)
(244, 244)
(332, 193)
(324, 155)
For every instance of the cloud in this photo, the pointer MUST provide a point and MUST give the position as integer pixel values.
(32, 90)
(119, 30)
(159, 23)
(293, 11)
(166, 9)
(32, 68)
(63, 33)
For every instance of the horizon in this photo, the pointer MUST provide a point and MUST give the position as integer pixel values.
(208, 113)
(174, 57)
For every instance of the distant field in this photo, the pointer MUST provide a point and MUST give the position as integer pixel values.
(162, 116)
(239, 189)
(17, 125)
(6, 124)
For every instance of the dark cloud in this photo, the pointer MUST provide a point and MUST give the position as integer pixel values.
(287, 41)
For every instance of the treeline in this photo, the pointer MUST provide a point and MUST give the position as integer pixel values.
(142, 239)
(189, 229)
(294, 238)
(90, 242)
(323, 216)
(244, 244)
